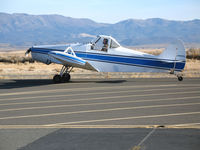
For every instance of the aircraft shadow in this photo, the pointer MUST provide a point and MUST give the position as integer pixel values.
(19, 83)
(9, 84)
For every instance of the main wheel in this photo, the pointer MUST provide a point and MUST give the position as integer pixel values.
(180, 78)
(57, 78)
(66, 77)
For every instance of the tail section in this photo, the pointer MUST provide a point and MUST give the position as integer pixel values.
(175, 53)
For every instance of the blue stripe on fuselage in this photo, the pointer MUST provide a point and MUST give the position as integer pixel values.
(136, 61)
(130, 60)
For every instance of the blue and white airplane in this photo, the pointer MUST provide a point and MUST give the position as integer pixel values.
(105, 54)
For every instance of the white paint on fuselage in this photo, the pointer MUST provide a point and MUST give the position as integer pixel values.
(101, 66)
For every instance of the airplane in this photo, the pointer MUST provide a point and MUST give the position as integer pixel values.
(105, 54)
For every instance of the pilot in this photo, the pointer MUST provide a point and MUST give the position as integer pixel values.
(105, 45)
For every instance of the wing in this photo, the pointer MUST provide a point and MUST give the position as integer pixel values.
(69, 58)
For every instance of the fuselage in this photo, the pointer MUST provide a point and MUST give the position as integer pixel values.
(115, 59)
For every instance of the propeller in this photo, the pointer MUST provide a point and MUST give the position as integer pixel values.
(27, 52)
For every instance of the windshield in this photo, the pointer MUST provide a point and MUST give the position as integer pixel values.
(95, 40)
(100, 44)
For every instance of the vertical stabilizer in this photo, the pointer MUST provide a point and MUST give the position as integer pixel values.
(175, 52)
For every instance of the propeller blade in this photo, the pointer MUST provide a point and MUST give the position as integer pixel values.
(27, 52)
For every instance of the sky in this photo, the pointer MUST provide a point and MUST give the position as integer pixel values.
(107, 11)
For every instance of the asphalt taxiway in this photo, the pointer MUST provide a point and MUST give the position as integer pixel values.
(105, 102)
(101, 104)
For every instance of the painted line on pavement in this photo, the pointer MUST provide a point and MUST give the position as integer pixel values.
(105, 103)
(92, 93)
(138, 147)
(124, 118)
(186, 125)
(92, 111)
(99, 98)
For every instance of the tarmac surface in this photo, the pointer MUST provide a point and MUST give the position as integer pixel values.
(85, 114)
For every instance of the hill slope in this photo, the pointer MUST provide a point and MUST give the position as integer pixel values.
(24, 29)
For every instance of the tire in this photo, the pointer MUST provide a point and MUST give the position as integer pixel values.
(57, 79)
(66, 77)
(180, 78)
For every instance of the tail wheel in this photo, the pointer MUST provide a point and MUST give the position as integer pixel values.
(180, 78)
(57, 78)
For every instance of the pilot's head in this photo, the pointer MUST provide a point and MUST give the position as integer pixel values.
(105, 41)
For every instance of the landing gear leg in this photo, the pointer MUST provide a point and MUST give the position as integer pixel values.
(64, 75)
(179, 75)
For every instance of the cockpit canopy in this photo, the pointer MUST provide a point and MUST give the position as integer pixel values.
(103, 43)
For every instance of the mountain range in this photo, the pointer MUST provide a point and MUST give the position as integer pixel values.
(25, 30)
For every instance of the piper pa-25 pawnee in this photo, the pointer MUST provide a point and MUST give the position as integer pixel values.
(105, 54)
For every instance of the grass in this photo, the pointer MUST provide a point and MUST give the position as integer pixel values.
(12, 57)
(193, 53)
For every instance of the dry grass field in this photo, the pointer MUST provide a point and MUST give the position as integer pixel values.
(14, 64)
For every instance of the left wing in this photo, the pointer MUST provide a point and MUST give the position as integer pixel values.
(69, 58)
